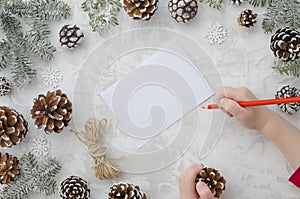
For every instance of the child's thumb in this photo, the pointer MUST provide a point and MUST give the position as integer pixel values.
(203, 191)
(231, 106)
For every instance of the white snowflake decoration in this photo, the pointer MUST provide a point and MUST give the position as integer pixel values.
(39, 146)
(52, 77)
(216, 34)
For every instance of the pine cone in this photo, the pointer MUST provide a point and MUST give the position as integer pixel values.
(70, 36)
(126, 190)
(285, 44)
(140, 9)
(183, 10)
(5, 87)
(214, 180)
(9, 168)
(286, 92)
(237, 2)
(74, 187)
(52, 111)
(247, 18)
(13, 127)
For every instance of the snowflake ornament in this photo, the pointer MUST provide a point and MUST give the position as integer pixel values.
(40, 146)
(216, 34)
(52, 77)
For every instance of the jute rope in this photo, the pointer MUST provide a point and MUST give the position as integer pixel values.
(104, 167)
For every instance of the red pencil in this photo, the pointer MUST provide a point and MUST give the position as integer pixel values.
(259, 102)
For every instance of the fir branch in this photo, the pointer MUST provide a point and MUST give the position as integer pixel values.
(260, 3)
(4, 54)
(11, 27)
(22, 71)
(217, 4)
(292, 18)
(102, 13)
(291, 68)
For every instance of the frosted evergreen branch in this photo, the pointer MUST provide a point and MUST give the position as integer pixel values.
(102, 13)
(4, 54)
(22, 71)
(291, 68)
(11, 27)
(260, 3)
(217, 4)
(292, 18)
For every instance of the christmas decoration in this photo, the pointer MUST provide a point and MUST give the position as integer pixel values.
(52, 111)
(216, 34)
(9, 168)
(70, 36)
(262, 3)
(36, 177)
(237, 2)
(285, 44)
(140, 9)
(286, 92)
(5, 87)
(217, 4)
(126, 190)
(52, 77)
(183, 10)
(74, 187)
(247, 18)
(39, 146)
(19, 46)
(13, 127)
(102, 13)
(104, 167)
(214, 180)
(291, 68)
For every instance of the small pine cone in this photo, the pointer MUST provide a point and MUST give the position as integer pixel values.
(126, 190)
(13, 127)
(74, 187)
(140, 9)
(286, 92)
(70, 36)
(214, 180)
(183, 10)
(285, 44)
(5, 87)
(247, 18)
(9, 168)
(52, 111)
(237, 2)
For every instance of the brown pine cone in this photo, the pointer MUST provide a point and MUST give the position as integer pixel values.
(183, 10)
(13, 127)
(74, 187)
(5, 87)
(9, 168)
(52, 111)
(214, 180)
(126, 190)
(140, 9)
(70, 36)
(247, 18)
(285, 44)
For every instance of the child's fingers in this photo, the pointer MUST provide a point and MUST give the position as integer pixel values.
(203, 191)
(232, 107)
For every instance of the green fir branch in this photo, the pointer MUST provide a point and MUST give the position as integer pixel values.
(217, 4)
(4, 54)
(291, 68)
(292, 18)
(22, 72)
(260, 3)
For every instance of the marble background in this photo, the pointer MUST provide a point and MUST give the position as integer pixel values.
(253, 167)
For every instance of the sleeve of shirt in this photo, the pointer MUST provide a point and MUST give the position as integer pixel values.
(295, 178)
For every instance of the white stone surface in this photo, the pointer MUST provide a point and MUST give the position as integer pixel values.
(253, 167)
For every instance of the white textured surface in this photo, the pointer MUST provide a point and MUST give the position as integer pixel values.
(253, 167)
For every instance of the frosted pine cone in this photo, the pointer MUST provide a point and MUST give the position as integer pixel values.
(9, 168)
(286, 92)
(13, 127)
(140, 9)
(183, 10)
(70, 36)
(285, 44)
(247, 18)
(126, 190)
(74, 187)
(214, 180)
(52, 111)
(237, 2)
(5, 87)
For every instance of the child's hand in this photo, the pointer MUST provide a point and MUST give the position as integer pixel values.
(250, 117)
(188, 188)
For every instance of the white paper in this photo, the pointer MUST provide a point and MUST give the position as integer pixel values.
(156, 94)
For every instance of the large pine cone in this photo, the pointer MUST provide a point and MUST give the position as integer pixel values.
(214, 180)
(247, 18)
(13, 127)
(74, 187)
(183, 10)
(52, 111)
(126, 190)
(140, 9)
(285, 44)
(9, 168)
(287, 92)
